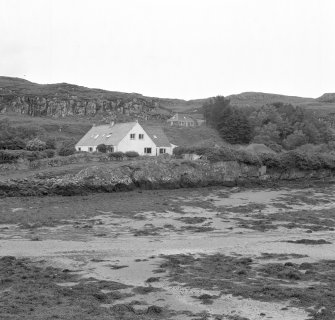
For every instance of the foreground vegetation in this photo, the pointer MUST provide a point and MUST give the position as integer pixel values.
(285, 160)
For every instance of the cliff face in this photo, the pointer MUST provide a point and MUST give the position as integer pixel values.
(63, 107)
(62, 100)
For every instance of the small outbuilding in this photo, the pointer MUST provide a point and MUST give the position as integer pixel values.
(182, 120)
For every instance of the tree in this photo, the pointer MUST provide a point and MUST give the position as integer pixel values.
(102, 148)
(232, 123)
(215, 109)
(270, 131)
(294, 140)
(235, 128)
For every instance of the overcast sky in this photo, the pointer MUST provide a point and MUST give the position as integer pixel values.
(172, 48)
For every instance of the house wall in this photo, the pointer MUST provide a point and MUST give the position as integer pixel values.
(86, 148)
(168, 150)
(181, 123)
(127, 144)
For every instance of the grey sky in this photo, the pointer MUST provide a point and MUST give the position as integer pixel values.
(172, 48)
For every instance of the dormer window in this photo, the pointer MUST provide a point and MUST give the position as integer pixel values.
(132, 136)
(141, 136)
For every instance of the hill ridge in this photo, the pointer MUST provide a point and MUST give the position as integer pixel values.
(65, 99)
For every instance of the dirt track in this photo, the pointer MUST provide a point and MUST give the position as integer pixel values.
(215, 253)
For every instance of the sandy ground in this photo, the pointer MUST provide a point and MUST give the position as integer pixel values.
(181, 251)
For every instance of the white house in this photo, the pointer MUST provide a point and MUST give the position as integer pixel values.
(129, 136)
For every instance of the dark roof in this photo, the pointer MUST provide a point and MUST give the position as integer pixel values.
(157, 135)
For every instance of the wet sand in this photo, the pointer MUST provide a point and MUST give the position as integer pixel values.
(107, 238)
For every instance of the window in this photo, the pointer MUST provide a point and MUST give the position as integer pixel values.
(79, 149)
(90, 149)
(147, 150)
(132, 136)
(162, 150)
(141, 136)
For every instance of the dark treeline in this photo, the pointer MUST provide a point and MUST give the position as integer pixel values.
(279, 126)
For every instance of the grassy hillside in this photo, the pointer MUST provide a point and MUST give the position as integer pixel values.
(255, 99)
(202, 135)
(258, 99)
(324, 104)
(10, 85)
(65, 129)
(61, 129)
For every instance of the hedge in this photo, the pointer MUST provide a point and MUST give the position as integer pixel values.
(116, 155)
(132, 154)
(219, 154)
(12, 156)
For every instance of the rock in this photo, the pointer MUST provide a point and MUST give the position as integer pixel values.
(64, 100)
(154, 310)
(122, 308)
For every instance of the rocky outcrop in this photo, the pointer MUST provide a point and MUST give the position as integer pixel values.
(63, 100)
(61, 107)
(153, 174)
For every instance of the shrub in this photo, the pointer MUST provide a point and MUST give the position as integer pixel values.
(116, 155)
(50, 144)
(35, 145)
(132, 154)
(8, 157)
(66, 151)
(12, 143)
(271, 160)
(12, 156)
(248, 157)
(299, 160)
(327, 160)
(67, 148)
(223, 153)
(102, 148)
(50, 153)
